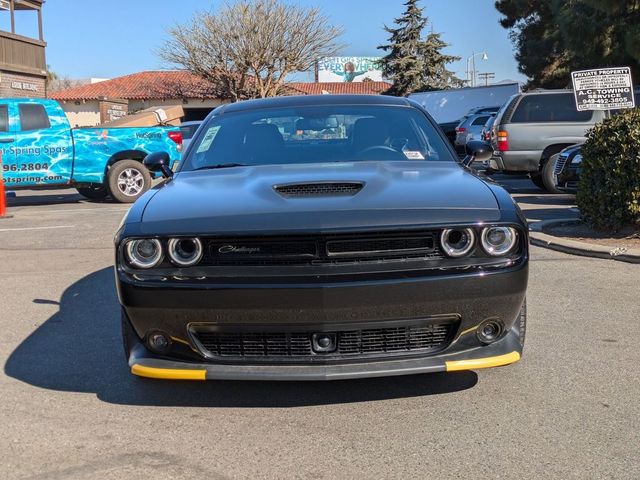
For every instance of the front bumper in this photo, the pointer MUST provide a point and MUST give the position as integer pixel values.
(504, 352)
(175, 308)
(568, 178)
(519, 161)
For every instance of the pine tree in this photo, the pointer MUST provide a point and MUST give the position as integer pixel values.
(415, 64)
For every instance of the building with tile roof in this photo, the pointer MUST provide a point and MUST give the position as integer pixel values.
(94, 103)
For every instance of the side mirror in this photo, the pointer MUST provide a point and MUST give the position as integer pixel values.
(159, 162)
(477, 151)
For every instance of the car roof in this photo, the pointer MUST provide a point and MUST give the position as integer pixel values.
(473, 116)
(191, 122)
(312, 100)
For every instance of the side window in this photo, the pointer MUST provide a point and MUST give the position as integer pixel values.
(4, 118)
(480, 120)
(557, 107)
(33, 116)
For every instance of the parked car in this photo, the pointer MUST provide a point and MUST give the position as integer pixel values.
(369, 250)
(450, 107)
(469, 130)
(40, 150)
(534, 126)
(188, 130)
(567, 169)
(450, 129)
(485, 134)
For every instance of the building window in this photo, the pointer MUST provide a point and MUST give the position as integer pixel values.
(4, 118)
(33, 117)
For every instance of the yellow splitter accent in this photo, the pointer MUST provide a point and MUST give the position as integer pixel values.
(193, 374)
(168, 373)
(477, 363)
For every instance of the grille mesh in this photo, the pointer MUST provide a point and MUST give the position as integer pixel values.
(350, 343)
(370, 245)
(318, 189)
(562, 159)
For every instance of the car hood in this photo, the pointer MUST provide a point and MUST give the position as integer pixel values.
(243, 199)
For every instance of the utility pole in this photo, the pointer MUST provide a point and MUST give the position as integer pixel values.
(471, 71)
(486, 77)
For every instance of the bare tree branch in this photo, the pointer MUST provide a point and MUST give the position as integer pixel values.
(247, 49)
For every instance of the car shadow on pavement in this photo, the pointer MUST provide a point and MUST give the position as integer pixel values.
(79, 349)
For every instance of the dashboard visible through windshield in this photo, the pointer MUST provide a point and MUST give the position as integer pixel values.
(312, 134)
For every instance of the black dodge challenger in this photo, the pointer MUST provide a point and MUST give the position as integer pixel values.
(320, 238)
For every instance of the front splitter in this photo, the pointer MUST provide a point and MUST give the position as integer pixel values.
(504, 352)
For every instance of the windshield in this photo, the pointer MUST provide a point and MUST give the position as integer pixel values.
(337, 133)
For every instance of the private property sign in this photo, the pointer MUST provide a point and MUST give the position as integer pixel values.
(603, 89)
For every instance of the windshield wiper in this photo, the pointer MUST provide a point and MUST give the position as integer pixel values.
(221, 165)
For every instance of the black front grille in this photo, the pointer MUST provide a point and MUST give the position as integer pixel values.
(251, 251)
(367, 246)
(318, 189)
(562, 159)
(321, 249)
(420, 339)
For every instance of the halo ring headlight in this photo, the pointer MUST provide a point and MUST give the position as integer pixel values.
(144, 252)
(185, 252)
(457, 242)
(498, 241)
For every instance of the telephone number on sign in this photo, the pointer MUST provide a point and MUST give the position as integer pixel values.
(25, 167)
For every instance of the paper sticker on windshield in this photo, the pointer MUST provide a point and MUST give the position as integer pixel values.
(413, 155)
(208, 139)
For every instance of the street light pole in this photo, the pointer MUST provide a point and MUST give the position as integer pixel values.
(471, 74)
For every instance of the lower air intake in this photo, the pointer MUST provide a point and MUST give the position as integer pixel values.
(420, 339)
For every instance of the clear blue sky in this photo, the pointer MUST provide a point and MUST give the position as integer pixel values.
(117, 37)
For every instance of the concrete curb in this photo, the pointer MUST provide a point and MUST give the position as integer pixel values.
(541, 239)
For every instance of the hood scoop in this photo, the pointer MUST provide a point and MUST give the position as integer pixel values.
(318, 189)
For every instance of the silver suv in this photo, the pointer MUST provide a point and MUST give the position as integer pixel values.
(470, 129)
(533, 127)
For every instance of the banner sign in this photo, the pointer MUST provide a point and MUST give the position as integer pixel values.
(349, 69)
(603, 89)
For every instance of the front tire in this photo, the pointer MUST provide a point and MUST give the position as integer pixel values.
(127, 180)
(549, 176)
(96, 191)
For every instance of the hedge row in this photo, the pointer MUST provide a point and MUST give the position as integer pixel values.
(609, 189)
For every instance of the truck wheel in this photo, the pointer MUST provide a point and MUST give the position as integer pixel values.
(536, 178)
(127, 180)
(95, 191)
(548, 175)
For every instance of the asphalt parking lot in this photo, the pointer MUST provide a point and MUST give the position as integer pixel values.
(71, 410)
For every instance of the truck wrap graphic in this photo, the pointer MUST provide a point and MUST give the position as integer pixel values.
(39, 149)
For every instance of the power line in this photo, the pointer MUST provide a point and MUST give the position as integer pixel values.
(486, 77)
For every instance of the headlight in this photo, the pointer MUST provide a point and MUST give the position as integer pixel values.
(457, 242)
(185, 252)
(144, 253)
(577, 160)
(497, 241)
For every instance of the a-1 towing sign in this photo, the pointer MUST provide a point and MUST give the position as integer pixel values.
(603, 89)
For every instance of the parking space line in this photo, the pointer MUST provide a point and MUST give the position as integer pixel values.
(26, 209)
(35, 228)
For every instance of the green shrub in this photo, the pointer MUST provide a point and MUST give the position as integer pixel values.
(609, 189)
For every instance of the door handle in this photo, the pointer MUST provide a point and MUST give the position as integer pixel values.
(7, 140)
